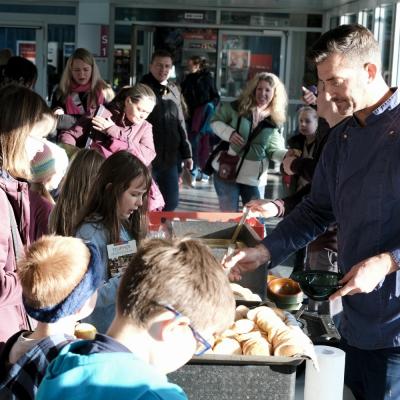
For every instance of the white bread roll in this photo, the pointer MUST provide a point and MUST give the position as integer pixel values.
(227, 346)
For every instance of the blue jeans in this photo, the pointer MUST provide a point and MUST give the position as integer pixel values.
(372, 374)
(229, 193)
(167, 181)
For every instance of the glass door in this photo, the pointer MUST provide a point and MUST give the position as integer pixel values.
(142, 50)
(243, 54)
(28, 42)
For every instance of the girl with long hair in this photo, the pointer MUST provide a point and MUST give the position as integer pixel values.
(115, 212)
(74, 191)
(79, 94)
(22, 113)
(116, 209)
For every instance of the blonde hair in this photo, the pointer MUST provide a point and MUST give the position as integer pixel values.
(97, 84)
(182, 273)
(20, 110)
(278, 105)
(51, 268)
(75, 190)
(307, 109)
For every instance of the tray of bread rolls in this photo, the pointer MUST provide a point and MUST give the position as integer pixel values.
(260, 335)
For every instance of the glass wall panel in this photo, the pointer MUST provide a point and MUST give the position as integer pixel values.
(244, 55)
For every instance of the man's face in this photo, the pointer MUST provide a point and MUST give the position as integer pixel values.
(345, 83)
(160, 68)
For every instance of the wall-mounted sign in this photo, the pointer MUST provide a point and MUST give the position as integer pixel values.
(192, 15)
(104, 40)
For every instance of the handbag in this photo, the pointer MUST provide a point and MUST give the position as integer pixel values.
(227, 166)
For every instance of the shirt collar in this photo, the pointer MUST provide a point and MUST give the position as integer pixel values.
(392, 102)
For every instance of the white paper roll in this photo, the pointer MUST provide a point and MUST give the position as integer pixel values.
(327, 383)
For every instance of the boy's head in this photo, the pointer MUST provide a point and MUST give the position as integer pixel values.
(308, 120)
(165, 278)
(59, 277)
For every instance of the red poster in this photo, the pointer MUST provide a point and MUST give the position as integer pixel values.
(260, 63)
(27, 50)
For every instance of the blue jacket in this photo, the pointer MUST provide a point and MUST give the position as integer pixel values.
(104, 369)
(356, 184)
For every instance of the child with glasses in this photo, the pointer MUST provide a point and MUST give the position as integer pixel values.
(172, 296)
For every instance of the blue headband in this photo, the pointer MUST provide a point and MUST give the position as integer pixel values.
(90, 282)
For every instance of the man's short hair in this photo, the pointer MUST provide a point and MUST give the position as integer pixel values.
(181, 273)
(161, 53)
(355, 42)
(51, 268)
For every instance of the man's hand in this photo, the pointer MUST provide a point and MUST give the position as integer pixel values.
(262, 208)
(245, 260)
(188, 163)
(101, 124)
(236, 139)
(366, 275)
(308, 97)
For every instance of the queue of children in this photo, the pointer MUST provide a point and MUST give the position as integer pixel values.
(97, 264)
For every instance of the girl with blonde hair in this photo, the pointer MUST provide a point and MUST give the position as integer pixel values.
(80, 92)
(251, 126)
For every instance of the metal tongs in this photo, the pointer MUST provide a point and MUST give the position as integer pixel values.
(232, 243)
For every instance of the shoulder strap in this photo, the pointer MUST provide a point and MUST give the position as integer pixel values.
(16, 237)
(246, 148)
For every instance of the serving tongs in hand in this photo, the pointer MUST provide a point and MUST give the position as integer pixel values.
(232, 243)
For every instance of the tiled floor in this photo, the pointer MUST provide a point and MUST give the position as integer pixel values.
(203, 197)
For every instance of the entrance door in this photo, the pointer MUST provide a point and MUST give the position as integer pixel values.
(28, 42)
(142, 47)
(243, 54)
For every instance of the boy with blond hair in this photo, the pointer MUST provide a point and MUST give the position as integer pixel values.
(170, 292)
(59, 278)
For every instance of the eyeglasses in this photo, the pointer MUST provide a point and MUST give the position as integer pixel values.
(202, 344)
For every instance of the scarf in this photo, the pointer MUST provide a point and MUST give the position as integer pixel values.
(73, 103)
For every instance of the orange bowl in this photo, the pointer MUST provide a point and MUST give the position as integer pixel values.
(285, 292)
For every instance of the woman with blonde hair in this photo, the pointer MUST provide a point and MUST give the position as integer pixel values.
(80, 92)
(22, 113)
(75, 189)
(251, 126)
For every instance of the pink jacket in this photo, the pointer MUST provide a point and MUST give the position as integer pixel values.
(137, 139)
(12, 313)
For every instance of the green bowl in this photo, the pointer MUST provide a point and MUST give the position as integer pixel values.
(318, 285)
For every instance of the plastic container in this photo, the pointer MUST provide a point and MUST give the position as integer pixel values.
(156, 216)
(238, 377)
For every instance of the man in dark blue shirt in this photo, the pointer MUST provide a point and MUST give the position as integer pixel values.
(356, 184)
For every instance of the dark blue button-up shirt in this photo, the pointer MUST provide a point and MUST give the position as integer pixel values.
(357, 184)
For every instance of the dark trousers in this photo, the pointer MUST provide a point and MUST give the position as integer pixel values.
(372, 374)
(167, 181)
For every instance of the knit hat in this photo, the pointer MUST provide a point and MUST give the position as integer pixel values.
(43, 165)
(89, 283)
(49, 164)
